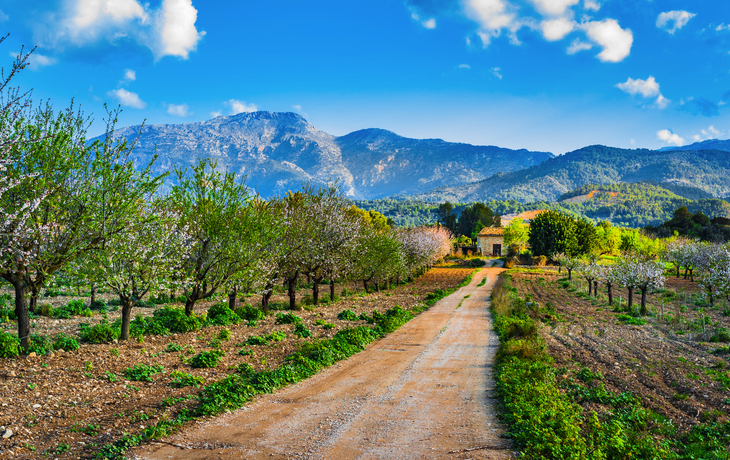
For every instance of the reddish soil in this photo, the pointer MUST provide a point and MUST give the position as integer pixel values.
(665, 363)
(64, 405)
(422, 392)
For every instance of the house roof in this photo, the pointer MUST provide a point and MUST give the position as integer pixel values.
(491, 231)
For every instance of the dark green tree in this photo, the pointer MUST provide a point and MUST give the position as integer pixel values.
(554, 232)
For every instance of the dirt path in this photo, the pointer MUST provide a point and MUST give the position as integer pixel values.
(424, 391)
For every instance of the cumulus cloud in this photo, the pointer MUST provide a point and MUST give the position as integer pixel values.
(578, 45)
(591, 5)
(670, 138)
(553, 7)
(648, 88)
(179, 110)
(608, 34)
(672, 21)
(556, 29)
(127, 98)
(492, 16)
(700, 106)
(36, 60)
(464, 66)
(130, 75)
(168, 30)
(241, 106)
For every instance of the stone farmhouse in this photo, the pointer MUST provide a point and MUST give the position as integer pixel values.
(490, 240)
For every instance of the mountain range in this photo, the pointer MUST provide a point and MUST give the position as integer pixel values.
(280, 151)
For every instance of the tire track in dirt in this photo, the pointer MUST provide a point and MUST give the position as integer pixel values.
(424, 391)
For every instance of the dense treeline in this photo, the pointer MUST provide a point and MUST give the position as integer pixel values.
(633, 205)
(698, 225)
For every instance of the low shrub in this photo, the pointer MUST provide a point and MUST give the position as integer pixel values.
(103, 332)
(7, 314)
(301, 331)
(249, 313)
(65, 343)
(347, 315)
(98, 305)
(207, 359)
(142, 372)
(40, 344)
(256, 340)
(220, 315)
(175, 319)
(224, 334)
(73, 308)
(721, 335)
(287, 318)
(276, 336)
(181, 379)
(9, 345)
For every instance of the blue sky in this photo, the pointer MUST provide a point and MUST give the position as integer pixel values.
(552, 75)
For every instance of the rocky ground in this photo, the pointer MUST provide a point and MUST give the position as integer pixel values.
(667, 363)
(66, 404)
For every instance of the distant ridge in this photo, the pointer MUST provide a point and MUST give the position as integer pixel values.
(710, 144)
(278, 151)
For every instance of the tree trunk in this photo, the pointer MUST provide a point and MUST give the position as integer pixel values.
(590, 288)
(315, 290)
(691, 274)
(93, 295)
(686, 270)
(377, 286)
(609, 287)
(677, 271)
(292, 291)
(232, 298)
(332, 290)
(643, 301)
(595, 289)
(570, 274)
(21, 311)
(365, 285)
(126, 315)
(33, 300)
(631, 296)
(268, 292)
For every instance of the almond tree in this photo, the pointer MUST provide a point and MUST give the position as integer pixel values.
(228, 232)
(79, 194)
(591, 272)
(141, 259)
(566, 261)
(609, 275)
(674, 252)
(709, 259)
(634, 273)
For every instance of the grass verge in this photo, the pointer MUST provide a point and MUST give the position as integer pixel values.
(545, 418)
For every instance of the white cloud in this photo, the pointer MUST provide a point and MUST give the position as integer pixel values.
(722, 27)
(647, 88)
(428, 23)
(497, 72)
(127, 98)
(130, 75)
(216, 114)
(464, 66)
(3, 17)
(608, 34)
(578, 45)
(591, 5)
(36, 61)
(553, 7)
(179, 110)
(492, 16)
(168, 30)
(696, 138)
(669, 137)
(556, 29)
(178, 35)
(672, 21)
(241, 106)
(297, 107)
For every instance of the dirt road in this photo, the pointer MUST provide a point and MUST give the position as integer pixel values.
(423, 392)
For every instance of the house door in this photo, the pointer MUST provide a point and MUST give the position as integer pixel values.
(497, 250)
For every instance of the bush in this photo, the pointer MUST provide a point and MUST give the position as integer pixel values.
(9, 345)
(256, 340)
(539, 261)
(347, 315)
(98, 305)
(100, 333)
(7, 314)
(142, 372)
(287, 318)
(302, 331)
(249, 313)
(224, 334)
(183, 379)
(206, 359)
(277, 336)
(65, 343)
(73, 308)
(220, 315)
(175, 319)
(40, 344)
(720, 335)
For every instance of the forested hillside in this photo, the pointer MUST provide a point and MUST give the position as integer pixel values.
(708, 170)
(624, 204)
